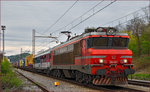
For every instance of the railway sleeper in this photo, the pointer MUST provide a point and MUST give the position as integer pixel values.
(83, 78)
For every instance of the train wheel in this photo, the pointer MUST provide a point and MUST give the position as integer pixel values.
(58, 73)
(52, 73)
(79, 77)
(87, 79)
(48, 72)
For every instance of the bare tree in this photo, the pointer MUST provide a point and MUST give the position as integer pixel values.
(146, 13)
(120, 27)
(136, 25)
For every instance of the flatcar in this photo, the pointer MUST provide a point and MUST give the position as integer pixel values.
(28, 61)
(20, 63)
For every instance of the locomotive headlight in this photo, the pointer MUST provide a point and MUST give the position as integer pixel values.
(125, 61)
(101, 61)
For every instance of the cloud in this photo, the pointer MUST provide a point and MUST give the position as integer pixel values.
(20, 17)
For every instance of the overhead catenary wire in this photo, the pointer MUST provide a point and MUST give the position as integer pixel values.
(90, 15)
(130, 14)
(140, 17)
(32, 14)
(85, 18)
(38, 33)
(45, 45)
(59, 18)
(78, 17)
(47, 41)
(125, 16)
(41, 45)
(62, 16)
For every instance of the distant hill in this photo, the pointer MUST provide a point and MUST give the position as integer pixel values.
(14, 58)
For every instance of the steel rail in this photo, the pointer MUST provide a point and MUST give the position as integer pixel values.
(40, 86)
(104, 88)
(139, 82)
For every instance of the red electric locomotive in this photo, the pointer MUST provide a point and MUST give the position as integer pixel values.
(99, 56)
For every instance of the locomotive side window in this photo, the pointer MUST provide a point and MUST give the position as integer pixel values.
(70, 48)
(88, 42)
(38, 59)
(64, 55)
(77, 49)
(44, 58)
(49, 56)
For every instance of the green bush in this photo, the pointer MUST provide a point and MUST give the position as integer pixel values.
(144, 42)
(133, 45)
(142, 63)
(8, 79)
(145, 60)
(5, 67)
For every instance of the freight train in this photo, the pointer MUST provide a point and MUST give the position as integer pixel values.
(97, 56)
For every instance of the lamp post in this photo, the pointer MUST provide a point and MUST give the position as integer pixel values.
(3, 28)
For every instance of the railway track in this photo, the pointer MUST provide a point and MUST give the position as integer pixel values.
(39, 85)
(104, 88)
(139, 82)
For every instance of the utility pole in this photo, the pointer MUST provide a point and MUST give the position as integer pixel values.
(3, 28)
(33, 42)
(21, 54)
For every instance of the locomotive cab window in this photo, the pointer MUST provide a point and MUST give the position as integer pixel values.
(107, 42)
(99, 41)
(120, 42)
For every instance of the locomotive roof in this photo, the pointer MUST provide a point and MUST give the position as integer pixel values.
(42, 53)
(88, 34)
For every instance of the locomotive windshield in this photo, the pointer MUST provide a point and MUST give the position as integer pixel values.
(107, 42)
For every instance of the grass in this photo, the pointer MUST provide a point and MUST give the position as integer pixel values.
(8, 79)
(140, 76)
(141, 64)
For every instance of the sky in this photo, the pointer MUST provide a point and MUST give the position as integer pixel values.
(21, 17)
